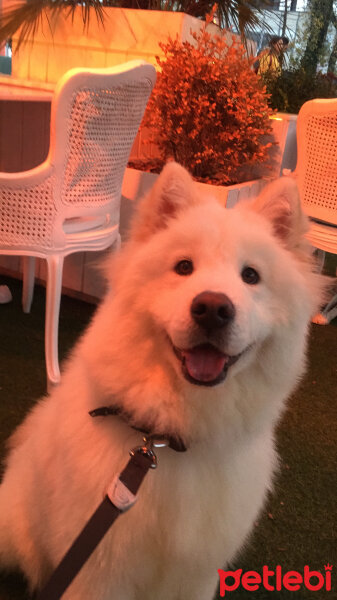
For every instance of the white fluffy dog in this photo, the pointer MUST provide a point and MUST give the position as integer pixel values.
(202, 337)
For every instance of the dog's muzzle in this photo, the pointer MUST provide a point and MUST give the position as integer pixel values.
(204, 363)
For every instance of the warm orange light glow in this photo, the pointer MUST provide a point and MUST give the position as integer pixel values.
(127, 34)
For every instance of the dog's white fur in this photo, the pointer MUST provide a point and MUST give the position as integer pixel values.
(195, 511)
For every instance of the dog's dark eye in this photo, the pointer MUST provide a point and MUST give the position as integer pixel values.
(250, 276)
(184, 267)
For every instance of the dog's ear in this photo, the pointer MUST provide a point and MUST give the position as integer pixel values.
(279, 202)
(173, 191)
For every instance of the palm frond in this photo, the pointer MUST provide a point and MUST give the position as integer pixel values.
(26, 17)
(241, 15)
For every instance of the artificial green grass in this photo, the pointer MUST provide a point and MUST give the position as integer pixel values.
(297, 527)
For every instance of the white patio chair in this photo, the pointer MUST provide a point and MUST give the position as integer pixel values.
(71, 202)
(316, 176)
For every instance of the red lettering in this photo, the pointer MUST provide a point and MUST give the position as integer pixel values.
(251, 581)
(308, 575)
(328, 581)
(292, 581)
(224, 586)
(265, 575)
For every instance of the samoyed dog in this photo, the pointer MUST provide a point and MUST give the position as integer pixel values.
(201, 339)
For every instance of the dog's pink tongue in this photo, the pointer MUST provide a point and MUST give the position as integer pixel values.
(204, 363)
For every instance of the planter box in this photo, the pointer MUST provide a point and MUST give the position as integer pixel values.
(284, 131)
(81, 277)
(136, 183)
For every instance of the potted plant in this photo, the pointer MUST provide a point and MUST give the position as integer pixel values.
(209, 112)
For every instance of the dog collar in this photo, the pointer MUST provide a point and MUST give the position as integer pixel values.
(174, 442)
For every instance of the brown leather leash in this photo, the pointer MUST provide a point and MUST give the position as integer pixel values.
(121, 495)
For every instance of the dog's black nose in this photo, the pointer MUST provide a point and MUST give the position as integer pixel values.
(212, 310)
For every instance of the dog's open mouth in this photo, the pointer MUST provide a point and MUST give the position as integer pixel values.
(205, 364)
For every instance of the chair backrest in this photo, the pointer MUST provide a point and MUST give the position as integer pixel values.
(316, 169)
(95, 117)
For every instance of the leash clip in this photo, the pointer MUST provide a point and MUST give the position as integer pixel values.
(147, 449)
(119, 494)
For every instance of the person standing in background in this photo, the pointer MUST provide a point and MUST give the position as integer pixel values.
(269, 61)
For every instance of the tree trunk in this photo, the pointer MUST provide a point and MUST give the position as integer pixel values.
(321, 12)
(285, 16)
(333, 57)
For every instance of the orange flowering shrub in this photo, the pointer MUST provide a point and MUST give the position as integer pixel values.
(209, 110)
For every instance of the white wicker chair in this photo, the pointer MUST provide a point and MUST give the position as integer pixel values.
(316, 176)
(71, 202)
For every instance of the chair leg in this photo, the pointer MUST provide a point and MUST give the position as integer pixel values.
(320, 318)
(321, 259)
(328, 313)
(28, 282)
(53, 300)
